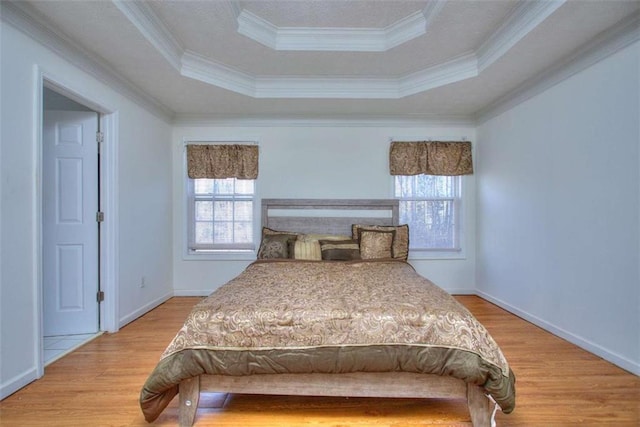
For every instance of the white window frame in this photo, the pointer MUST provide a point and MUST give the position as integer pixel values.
(214, 254)
(458, 252)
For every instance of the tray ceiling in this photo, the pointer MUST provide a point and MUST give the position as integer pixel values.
(329, 58)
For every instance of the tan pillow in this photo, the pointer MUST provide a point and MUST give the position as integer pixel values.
(400, 241)
(376, 244)
(305, 250)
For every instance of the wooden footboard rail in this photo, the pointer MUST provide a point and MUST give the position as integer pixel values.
(359, 384)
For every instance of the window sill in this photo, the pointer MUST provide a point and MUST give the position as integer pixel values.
(218, 255)
(444, 254)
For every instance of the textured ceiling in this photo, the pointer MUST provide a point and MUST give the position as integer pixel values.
(318, 58)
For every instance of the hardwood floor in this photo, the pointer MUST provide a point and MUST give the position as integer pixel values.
(557, 384)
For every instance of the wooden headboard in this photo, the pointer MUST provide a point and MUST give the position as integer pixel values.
(331, 216)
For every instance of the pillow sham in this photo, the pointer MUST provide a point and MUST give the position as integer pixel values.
(275, 246)
(267, 230)
(400, 247)
(339, 250)
(376, 244)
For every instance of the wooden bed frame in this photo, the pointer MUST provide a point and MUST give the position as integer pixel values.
(306, 216)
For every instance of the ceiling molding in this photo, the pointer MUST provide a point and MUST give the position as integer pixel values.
(337, 39)
(22, 17)
(601, 47)
(455, 70)
(205, 120)
(527, 16)
(190, 64)
(198, 67)
(203, 69)
(142, 16)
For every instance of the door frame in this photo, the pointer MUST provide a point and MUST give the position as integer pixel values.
(109, 125)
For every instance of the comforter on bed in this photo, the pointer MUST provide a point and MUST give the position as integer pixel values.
(307, 316)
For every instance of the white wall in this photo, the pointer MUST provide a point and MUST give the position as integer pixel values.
(144, 200)
(558, 212)
(317, 162)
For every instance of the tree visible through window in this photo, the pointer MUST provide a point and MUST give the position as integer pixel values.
(221, 213)
(430, 205)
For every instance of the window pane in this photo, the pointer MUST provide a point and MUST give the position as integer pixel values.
(204, 232)
(223, 186)
(425, 186)
(243, 211)
(244, 186)
(223, 232)
(204, 211)
(429, 207)
(243, 232)
(223, 211)
(203, 186)
(431, 223)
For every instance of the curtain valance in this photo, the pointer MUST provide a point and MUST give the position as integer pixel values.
(222, 161)
(430, 158)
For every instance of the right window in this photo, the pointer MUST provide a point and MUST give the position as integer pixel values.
(431, 205)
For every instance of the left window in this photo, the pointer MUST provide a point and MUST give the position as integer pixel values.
(221, 214)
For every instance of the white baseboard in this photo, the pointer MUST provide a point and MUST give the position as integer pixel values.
(585, 344)
(16, 383)
(192, 292)
(144, 309)
(461, 291)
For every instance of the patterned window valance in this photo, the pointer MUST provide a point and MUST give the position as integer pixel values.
(222, 161)
(430, 158)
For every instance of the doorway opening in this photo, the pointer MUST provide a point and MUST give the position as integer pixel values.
(62, 283)
(70, 226)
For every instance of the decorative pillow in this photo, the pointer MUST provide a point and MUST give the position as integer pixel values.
(275, 246)
(400, 241)
(375, 244)
(340, 250)
(299, 249)
(267, 230)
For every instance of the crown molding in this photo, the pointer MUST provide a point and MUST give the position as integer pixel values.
(192, 65)
(461, 68)
(337, 39)
(215, 120)
(526, 16)
(20, 16)
(201, 68)
(198, 67)
(605, 44)
(142, 16)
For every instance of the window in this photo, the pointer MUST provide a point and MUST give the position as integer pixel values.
(220, 214)
(430, 204)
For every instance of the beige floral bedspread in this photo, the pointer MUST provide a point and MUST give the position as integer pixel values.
(310, 304)
(281, 311)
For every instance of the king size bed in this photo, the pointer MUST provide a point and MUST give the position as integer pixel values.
(332, 308)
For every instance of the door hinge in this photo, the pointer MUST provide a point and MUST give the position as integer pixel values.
(100, 296)
(99, 216)
(100, 141)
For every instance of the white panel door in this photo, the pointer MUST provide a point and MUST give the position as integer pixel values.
(70, 230)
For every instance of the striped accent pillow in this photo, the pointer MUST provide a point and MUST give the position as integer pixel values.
(305, 250)
(340, 250)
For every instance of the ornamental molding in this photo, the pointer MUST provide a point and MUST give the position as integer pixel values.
(193, 65)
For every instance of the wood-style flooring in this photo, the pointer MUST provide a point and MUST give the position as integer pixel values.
(558, 384)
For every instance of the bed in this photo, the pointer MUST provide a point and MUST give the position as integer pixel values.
(364, 325)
